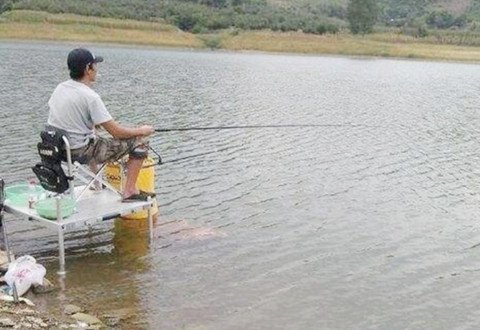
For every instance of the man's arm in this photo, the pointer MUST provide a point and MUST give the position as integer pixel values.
(121, 132)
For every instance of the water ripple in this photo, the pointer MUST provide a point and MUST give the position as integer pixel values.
(266, 228)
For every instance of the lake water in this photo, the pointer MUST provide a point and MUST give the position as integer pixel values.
(371, 221)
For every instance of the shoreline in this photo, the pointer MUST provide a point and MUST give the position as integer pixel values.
(41, 27)
(32, 310)
(132, 45)
(241, 51)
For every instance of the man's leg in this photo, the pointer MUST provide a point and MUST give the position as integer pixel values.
(92, 164)
(109, 150)
(134, 165)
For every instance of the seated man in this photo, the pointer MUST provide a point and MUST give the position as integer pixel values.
(77, 109)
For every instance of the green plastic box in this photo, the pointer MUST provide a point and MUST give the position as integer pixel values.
(19, 194)
(47, 208)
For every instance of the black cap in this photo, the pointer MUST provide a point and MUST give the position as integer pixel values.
(79, 58)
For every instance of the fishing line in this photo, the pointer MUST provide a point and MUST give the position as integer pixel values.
(161, 162)
(182, 129)
(191, 156)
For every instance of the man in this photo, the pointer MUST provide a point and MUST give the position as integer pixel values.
(76, 108)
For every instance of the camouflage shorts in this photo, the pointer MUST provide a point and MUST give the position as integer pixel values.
(104, 150)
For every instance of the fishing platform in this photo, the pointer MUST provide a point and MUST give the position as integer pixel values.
(72, 195)
(94, 207)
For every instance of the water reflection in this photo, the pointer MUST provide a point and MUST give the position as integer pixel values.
(131, 242)
(105, 282)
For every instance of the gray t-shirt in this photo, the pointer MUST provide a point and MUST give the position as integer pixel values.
(76, 108)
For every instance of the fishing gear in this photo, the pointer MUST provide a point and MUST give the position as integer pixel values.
(193, 156)
(156, 153)
(161, 162)
(179, 129)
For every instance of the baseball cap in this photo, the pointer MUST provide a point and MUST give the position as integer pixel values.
(79, 58)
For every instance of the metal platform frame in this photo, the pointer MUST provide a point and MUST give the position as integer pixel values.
(91, 207)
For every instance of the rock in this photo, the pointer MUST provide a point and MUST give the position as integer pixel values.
(37, 321)
(6, 297)
(95, 327)
(72, 309)
(113, 318)
(121, 314)
(182, 230)
(46, 287)
(112, 321)
(86, 318)
(23, 311)
(6, 322)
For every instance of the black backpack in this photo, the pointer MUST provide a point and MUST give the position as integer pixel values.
(52, 152)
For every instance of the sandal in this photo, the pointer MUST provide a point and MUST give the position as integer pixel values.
(135, 198)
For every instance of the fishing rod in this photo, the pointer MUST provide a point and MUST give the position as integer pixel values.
(180, 129)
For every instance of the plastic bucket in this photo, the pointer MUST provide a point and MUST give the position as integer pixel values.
(47, 208)
(19, 194)
(145, 182)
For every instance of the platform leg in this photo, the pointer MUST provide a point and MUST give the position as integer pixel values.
(150, 221)
(9, 255)
(61, 243)
(5, 239)
(61, 252)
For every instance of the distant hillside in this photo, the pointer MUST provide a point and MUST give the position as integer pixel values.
(310, 16)
(455, 7)
(400, 12)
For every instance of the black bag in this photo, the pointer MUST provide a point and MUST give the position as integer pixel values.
(51, 149)
(49, 171)
(51, 177)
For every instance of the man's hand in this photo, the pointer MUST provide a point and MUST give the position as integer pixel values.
(123, 132)
(146, 130)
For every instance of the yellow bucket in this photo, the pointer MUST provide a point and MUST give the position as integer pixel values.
(145, 182)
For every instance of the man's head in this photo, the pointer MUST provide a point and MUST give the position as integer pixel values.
(82, 63)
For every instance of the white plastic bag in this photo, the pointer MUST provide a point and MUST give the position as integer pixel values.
(24, 272)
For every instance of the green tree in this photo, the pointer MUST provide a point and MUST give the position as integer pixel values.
(5, 5)
(362, 15)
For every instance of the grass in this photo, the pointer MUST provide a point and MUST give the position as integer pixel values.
(24, 24)
(35, 25)
(386, 45)
(30, 16)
